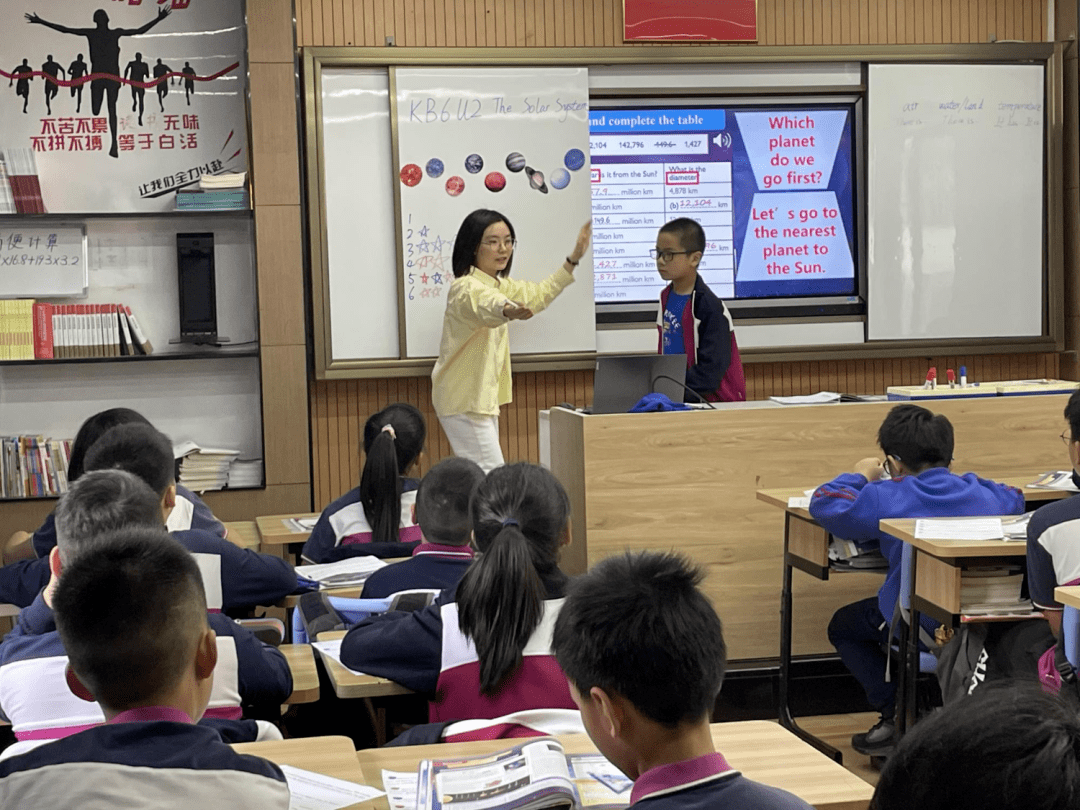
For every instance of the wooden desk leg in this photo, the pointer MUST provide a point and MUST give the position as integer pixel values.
(784, 709)
(378, 721)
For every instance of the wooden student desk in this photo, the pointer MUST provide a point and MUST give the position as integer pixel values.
(330, 756)
(1068, 595)
(688, 480)
(806, 547)
(305, 677)
(243, 533)
(762, 750)
(276, 534)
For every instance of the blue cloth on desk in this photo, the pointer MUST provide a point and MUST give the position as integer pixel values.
(658, 402)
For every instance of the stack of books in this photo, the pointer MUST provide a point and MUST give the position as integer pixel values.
(204, 468)
(17, 329)
(21, 177)
(244, 473)
(992, 590)
(33, 466)
(65, 331)
(219, 192)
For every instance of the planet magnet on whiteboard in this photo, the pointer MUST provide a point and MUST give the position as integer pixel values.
(536, 179)
(474, 164)
(495, 181)
(454, 186)
(411, 174)
(574, 159)
(515, 161)
(434, 167)
(560, 179)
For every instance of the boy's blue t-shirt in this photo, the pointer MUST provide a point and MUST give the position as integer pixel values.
(673, 330)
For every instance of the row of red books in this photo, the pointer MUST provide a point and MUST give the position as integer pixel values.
(63, 331)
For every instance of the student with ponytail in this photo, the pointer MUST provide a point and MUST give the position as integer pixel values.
(376, 518)
(484, 650)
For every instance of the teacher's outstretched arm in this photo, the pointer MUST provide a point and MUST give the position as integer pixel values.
(528, 297)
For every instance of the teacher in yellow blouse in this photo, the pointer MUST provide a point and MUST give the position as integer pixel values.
(471, 378)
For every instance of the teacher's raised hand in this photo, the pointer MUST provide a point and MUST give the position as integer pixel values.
(580, 246)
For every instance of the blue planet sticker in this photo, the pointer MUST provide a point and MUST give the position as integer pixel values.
(560, 179)
(574, 159)
(474, 164)
(434, 167)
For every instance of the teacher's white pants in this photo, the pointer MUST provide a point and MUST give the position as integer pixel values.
(474, 436)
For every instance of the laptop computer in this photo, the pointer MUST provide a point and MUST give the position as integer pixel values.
(622, 380)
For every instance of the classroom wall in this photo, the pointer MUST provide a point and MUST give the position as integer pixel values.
(338, 408)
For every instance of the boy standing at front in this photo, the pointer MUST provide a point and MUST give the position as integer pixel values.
(692, 320)
(630, 624)
(132, 617)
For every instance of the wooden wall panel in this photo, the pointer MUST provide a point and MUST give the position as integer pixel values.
(587, 23)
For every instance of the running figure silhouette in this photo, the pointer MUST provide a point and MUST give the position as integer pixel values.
(51, 68)
(137, 70)
(162, 70)
(104, 58)
(23, 87)
(76, 70)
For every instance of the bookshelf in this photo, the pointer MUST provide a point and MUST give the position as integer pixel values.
(210, 395)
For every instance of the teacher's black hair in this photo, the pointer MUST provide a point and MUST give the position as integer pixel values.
(468, 239)
(1009, 746)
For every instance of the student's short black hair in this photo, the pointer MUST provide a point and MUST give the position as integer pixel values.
(468, 239)
(1072, 413)
(637, 625)
(130, 616)
(1008, 746)
(138, 449)
(100, 502)
(92, 429)
(917, 437)
(442, 502)
(689, 233)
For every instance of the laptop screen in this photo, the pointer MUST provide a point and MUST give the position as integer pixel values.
(622, 380)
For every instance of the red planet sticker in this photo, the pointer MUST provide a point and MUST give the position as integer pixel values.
(454, 186)
(495, 181)
(411, 174)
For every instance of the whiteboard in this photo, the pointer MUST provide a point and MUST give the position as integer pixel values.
(42, 261)
(955, 201)
(359, 213)
(449, 122)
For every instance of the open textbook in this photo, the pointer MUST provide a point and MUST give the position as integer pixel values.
(535, 774)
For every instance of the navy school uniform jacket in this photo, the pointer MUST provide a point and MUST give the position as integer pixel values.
(707, 783)
(432, 566)
(190, 513)
(851, 507)
(426, 651)
(237, 577)
(1053, 551)
(145, 758)
(713, 366)
(35, 698)
(343, 531)
(22, 581)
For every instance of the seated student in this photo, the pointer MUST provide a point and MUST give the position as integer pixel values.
(918, 449)
(190, 511)
(132, 617)
(242, 578)
(442, 512)
(644, 653)
(692, 320)
(484, 651)
(34, 695)
(1007, 747)
(376, 517)
(1053, 552)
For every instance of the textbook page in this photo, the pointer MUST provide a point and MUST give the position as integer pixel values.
(315, 791)
(973, 529)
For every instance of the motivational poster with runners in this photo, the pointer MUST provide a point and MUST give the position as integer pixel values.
(115, 105)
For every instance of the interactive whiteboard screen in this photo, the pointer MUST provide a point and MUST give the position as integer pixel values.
(772, 186)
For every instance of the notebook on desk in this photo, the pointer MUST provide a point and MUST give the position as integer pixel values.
(622, 380)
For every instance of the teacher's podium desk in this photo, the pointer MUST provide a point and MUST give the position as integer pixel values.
(760, 749)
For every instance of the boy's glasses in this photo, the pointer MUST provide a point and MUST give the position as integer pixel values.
(667, 255)
(1067, 439)
(495, 244)
(887, 465)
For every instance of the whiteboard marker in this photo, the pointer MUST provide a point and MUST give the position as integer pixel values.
(950, 375)
(963, 376)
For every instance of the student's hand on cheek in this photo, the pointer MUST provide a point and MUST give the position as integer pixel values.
(870, 468)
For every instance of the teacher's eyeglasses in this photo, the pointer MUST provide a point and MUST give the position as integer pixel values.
(495, 244)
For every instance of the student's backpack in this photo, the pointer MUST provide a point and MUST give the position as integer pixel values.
(982, 652)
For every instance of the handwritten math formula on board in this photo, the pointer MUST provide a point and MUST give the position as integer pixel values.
(42, 261)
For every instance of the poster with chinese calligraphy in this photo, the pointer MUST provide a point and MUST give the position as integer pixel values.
(114, 105)
(690, 20)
